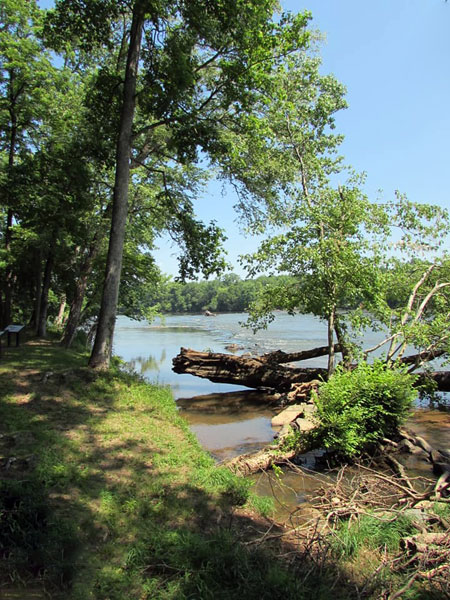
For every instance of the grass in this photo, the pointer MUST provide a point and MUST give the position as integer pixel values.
(374, 533)
(106, 495)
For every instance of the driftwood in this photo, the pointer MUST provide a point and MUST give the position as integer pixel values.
(268, 371)
(285, 357)
(263, 459)
(441, 378)
(423, 542)
(246, 464)
(253, 372)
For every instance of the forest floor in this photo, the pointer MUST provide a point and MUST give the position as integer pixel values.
(105, 494)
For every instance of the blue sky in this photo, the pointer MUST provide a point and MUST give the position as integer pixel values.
(394, 58)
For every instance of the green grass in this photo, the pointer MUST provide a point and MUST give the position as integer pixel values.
(375, 533)
(108, 495)
(105, 494)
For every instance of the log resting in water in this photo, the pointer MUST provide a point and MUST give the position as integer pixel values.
(253, 372)
(285, 357)
(266, 371)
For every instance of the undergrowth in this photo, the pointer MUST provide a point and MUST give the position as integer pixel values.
(357, 408)
(376, 533)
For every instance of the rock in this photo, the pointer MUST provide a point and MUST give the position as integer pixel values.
(304, 424)
(287, 415)
(417, 514)
(437, 457)
(423, 444)
(441, 468)
(234, 347)
(284, 431)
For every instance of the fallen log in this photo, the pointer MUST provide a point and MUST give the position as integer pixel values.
(267, 371)
(425, 542)
(286, 357)
(246, 464)
(424, 356)
(441, 378)
(253, 372)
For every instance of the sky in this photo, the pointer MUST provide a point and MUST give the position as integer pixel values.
(393, 56)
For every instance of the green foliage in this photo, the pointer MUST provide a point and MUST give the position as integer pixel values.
(356, 408)
(227, 294)
(442, 510)
(263, 505)
(371, 532)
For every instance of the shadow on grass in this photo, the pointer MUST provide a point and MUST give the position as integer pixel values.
(105, 494)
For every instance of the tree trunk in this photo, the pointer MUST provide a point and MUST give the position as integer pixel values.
(331, 321)
(265, 371)
(75, 311)
(37, 292)
(9, 218)
(62, 306)
(251, 372)
(415, 360)
(8, 272)
(101, 352)
(285, 357)
(340, 335)
(42, 321)
(262, 460)
(80, 290)
(441, 379)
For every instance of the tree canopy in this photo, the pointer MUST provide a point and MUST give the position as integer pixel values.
(112, 116)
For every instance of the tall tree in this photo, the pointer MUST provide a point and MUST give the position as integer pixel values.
(26, 75)
(329, 236)
(200, 61)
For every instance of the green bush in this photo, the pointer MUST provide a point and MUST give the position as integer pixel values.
(357, 408)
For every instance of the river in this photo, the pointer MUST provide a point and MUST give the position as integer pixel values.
(230, 424)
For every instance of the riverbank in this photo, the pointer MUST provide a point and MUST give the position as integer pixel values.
(105, 494)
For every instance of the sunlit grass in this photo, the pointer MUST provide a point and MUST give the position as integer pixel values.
(111, 485)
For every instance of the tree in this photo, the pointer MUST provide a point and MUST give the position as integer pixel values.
(283, 162)
(329, 237)
(198, 62)
(26, 77)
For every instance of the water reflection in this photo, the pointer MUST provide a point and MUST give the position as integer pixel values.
(293, 492)
(433, 425)
(146, 365)
(224, 440)
(231, 403)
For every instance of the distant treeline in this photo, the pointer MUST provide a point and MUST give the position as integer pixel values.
(230, 293)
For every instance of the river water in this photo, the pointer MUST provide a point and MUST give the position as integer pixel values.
(228, 419)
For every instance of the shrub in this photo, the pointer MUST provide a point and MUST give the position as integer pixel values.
(357, 408)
